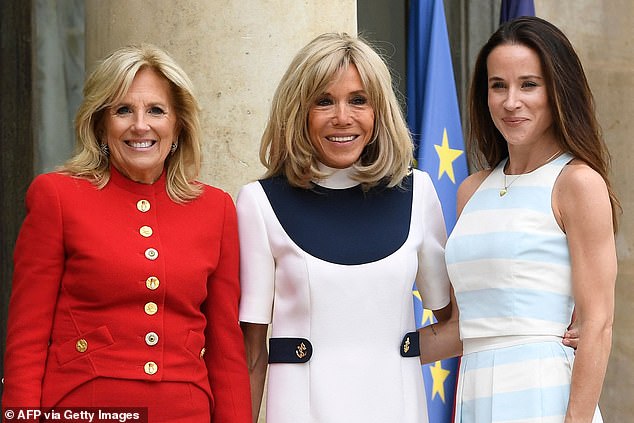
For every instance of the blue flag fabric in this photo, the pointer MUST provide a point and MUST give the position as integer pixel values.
(433, 117)
(512, 9)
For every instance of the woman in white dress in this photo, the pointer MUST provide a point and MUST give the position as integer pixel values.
(534, 238)
(332, 239)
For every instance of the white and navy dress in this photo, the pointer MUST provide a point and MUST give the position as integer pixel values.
(509, 264)
(332, 269)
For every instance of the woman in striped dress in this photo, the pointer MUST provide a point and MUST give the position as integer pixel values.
(535, 237)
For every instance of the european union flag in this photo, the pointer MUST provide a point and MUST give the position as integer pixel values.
(512, 9)
(434, 119)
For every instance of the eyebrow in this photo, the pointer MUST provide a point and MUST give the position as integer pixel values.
(522, 77)
(357, 92)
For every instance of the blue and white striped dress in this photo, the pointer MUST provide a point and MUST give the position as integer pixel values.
(509, 263)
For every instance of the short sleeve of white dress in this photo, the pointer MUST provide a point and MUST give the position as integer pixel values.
(432, 280)
(257, 266)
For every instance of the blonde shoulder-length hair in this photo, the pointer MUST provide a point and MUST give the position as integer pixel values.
(285, 146)
(106, 85)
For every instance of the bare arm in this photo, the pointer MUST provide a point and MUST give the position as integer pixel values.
(441, 340)
(582, 204)
(257, 361)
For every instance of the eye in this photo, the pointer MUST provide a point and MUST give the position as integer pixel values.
(529, 84)
(359, 100)
(324, 101)
(123, 110)
(497, 85)
(156, 110)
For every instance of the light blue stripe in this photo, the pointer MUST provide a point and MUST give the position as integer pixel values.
(514, 302)
(526, 404)
(517, 354)
(495, 245)
(515, 198)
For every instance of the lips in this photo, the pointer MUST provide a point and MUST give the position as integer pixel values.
(514, 120)
(339, 139)
(141, 143)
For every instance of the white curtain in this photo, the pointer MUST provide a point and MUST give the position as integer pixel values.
(59, 78)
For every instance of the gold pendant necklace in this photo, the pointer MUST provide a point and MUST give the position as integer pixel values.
(504, 190)
(506, 187)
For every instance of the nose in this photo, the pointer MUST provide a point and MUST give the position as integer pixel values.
(342, 115)
(140, 123)
(512, 100)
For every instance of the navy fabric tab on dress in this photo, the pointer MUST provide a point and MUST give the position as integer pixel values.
(290, 350)
(410, 346)
(345, 226)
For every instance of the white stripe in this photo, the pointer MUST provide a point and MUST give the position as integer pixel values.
(501, 220)
(515, 377)
(502, 326)
(511, 274)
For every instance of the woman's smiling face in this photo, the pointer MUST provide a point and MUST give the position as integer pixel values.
(141, 127)
(341, 121)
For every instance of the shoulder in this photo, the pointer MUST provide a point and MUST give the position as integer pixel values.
(577, 183)
(471, 183)
(58, 179)
(250, 190)
(212, 191)
(577, 177)
(469, 186)
(250, 197)
(580, 193)
(420, 174)
(211, 197)
(58, 183)
(421, 179)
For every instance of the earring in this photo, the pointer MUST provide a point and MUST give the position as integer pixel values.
(173, 148)
(105, 150)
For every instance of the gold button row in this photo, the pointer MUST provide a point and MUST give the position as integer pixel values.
(151, 283)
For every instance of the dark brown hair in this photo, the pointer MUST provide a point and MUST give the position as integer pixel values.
(572, 105)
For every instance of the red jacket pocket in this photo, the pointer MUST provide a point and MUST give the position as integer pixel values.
(84, 345)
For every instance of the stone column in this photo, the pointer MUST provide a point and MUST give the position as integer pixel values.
(234, 51)
(603, 40)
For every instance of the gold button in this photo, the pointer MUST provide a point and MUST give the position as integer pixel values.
(150, 367)
(151, 308)
(151, 254)
(146, 231)
(143, 205)
(151, 338)
(152, 283)
(202, 352)
(81, 345)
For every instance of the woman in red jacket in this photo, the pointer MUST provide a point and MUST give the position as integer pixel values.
(125, 289)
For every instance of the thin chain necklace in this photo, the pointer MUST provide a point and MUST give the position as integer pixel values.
(506, 187)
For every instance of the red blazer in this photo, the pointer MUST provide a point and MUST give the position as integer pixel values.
(124, 283)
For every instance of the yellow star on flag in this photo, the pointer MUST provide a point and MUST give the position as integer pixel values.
(428, 315)
(439, 375)
(446, 156)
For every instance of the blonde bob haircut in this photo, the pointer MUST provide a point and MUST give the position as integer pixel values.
(106, 85)
(285, 146)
